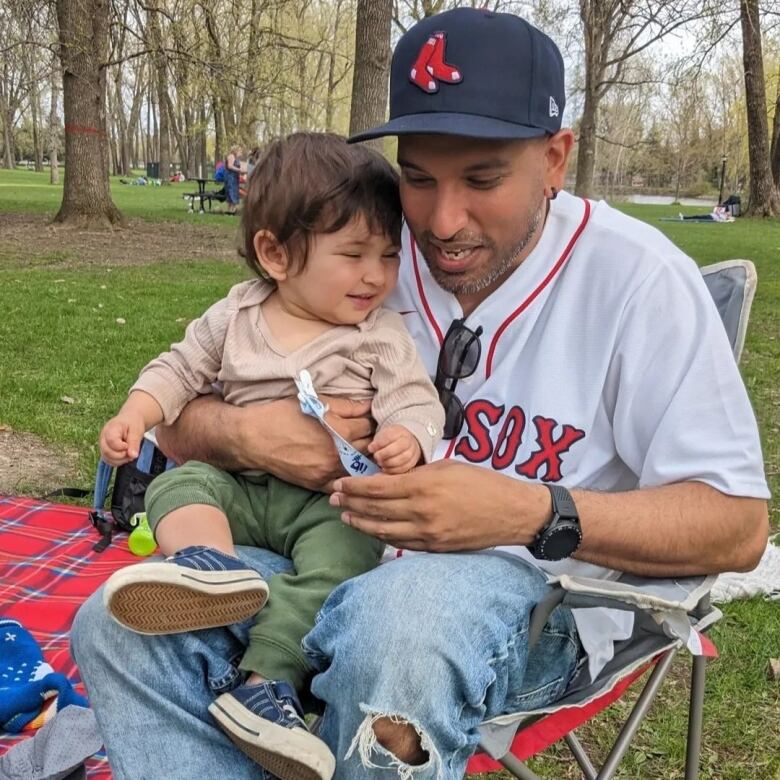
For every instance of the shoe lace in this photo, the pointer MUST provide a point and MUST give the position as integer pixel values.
(289, 709)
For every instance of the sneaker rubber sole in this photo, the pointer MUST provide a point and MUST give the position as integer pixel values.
(289, 754)
(163, 598)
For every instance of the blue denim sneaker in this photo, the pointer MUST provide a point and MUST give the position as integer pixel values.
(266, 722)
(195, 588)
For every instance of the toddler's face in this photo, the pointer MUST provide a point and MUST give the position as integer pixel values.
(347, 275)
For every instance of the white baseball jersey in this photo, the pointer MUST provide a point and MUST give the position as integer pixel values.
(604, 366)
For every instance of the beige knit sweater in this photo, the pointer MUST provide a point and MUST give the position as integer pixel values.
(232, 344)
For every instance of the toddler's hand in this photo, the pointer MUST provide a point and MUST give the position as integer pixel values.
(395, 450)
(120, 439)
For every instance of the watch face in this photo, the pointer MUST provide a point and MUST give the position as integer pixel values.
(562, 541)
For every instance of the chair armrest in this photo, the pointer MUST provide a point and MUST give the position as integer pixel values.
(679, 594)
(676, 606)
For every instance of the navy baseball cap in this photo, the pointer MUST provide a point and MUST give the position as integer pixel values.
(474, 73)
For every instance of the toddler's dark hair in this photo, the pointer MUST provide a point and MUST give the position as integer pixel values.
(311, 183)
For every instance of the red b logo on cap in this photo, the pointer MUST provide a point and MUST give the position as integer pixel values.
(430, 66)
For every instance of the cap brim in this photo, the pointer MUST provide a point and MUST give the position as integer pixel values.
(441, 123)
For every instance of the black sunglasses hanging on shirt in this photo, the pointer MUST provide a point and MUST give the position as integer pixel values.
(458, 358)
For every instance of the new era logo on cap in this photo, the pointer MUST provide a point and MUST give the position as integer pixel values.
(429, 68)
(553, 107)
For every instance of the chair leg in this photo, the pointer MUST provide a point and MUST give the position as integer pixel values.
(514, 765)
(636, 717)
(578, 751)
(518, 768)
(693, 750)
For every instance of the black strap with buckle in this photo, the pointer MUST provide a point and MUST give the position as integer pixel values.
(104, 527)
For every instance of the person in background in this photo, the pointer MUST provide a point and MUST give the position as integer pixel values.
(234, 167)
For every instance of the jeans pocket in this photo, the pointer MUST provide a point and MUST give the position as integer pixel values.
(537, 697)
(549, 666)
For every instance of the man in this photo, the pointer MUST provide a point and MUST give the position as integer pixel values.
(572, 346)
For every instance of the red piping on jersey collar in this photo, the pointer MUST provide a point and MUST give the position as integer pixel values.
(520, 309)
(547, 279)
(421, 291)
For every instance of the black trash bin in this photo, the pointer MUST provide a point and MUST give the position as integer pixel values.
(153, 170)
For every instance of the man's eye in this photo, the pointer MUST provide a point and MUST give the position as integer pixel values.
(417, 181)
(352, 255)
(485, 184)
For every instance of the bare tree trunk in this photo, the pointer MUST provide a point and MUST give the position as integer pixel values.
(120, 121)
(175, 132)
(130, 152)
(775, 146)
(9, 156)
(219, 131)
(35, 110)
(149, 135)
(83, 30)
(764, 198)
(113, 132)
(329, 107)
(54, 141)
(161, 84)
(586, 146)
(372, 60)
(249, 101)
(202, 135)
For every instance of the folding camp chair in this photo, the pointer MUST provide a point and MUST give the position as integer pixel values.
(668, 614)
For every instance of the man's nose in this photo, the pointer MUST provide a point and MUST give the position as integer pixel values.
(449, 214)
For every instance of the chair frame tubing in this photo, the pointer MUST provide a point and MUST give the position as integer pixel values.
(632, 724)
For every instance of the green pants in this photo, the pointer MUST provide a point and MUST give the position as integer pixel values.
(264, 511)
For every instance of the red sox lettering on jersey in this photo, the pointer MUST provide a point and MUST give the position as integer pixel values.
(495, 433)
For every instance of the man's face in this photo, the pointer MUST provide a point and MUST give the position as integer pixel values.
(473, 205)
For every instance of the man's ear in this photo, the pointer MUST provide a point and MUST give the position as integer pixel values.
(271, 255)
(557, 153)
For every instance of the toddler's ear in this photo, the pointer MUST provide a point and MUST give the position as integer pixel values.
(271, 255)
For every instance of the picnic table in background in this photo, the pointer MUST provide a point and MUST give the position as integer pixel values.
(203, 195)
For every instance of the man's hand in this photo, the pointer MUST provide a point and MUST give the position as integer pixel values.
(275, 437)
(395, 450)
(444, 507)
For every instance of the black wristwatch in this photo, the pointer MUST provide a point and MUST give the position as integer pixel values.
(560, 537)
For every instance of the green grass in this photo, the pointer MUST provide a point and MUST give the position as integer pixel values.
(28, 192)
(59, 337)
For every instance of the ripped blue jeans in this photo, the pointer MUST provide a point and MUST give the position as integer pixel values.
(438, 641)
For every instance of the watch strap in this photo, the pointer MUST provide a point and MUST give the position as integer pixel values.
(562, 502)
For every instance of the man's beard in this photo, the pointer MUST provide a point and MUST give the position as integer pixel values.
(507, 261)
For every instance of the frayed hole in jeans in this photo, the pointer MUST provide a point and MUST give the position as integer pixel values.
(368, 747)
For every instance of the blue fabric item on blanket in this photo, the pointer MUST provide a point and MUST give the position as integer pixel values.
(27, 682)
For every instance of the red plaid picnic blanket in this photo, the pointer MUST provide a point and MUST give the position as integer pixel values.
(47, 570)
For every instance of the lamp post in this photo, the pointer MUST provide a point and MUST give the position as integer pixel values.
(722, 178)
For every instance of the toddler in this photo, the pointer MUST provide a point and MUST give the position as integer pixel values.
(322, 225)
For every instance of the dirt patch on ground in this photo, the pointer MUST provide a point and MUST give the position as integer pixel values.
(35, 240)
(30, 467)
